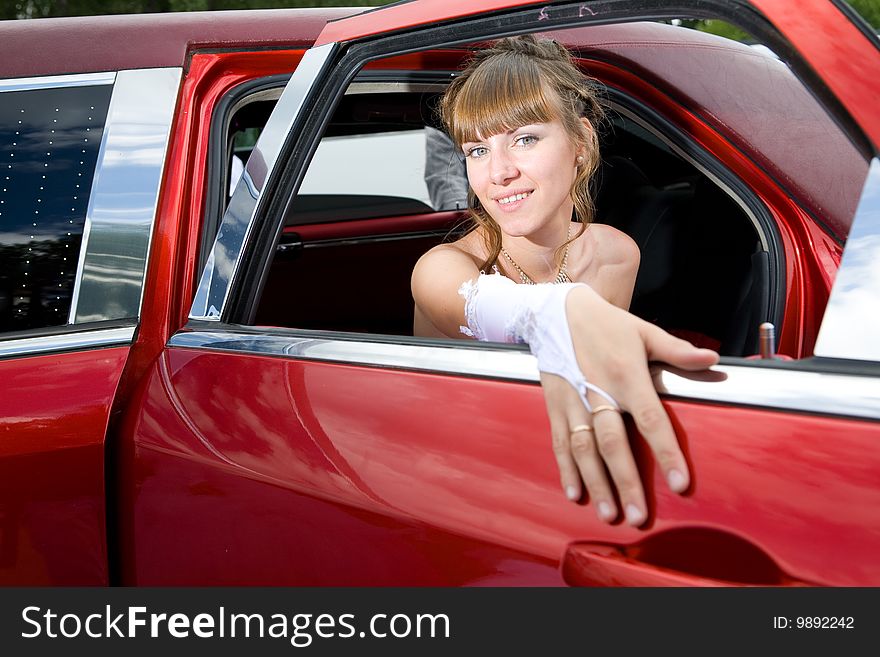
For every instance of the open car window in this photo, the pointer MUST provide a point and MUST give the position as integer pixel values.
(697, 184)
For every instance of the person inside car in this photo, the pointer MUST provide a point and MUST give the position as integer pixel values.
(534, 268)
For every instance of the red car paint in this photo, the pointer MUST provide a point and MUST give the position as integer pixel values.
(246, 470)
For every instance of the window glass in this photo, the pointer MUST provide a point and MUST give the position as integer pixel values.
(49, 142)
(380, 163)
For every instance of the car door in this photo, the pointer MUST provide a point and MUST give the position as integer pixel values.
(73, 253)
(263, 455)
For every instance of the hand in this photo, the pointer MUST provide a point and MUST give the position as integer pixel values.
(613, 348)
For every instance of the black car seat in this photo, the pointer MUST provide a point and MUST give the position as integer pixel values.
(655, 218)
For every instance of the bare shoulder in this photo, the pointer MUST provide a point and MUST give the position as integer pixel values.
(614, 247)
(444, 259)
(440, 272)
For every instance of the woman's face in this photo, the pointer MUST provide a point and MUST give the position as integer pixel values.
(523, 177)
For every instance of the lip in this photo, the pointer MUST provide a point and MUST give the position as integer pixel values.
(513, 205)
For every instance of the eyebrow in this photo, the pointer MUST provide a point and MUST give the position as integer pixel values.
(508, 132)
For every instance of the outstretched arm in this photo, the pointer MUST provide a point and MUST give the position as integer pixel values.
(611, 348)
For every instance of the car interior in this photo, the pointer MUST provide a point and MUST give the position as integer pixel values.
(704, 273)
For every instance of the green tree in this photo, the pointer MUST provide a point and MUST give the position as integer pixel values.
(869, 10)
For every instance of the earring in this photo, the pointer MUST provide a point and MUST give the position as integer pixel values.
(580, 159)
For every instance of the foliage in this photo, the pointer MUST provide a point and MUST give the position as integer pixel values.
(869, 10)
(45, 8)
(719, 28)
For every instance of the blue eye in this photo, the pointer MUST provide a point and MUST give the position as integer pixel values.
(477, 152)
(526, 140)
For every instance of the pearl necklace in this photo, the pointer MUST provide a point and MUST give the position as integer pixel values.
(561, 275)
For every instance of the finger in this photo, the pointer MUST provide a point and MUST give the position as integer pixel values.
(557, 399)
(568, 471)
(592, 471)
(662, 346)
(615, 449)
(653, 423)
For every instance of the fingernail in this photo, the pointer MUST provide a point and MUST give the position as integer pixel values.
(634, 515)
(572, 493)
(677, 481)
(605, 511)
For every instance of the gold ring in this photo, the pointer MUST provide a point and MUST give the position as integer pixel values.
(580, 427)
(605, 407)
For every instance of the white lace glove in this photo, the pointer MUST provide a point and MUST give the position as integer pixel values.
(499, 310)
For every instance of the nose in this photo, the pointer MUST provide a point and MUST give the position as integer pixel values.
(502, 169)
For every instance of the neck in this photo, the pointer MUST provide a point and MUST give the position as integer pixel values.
(534, 254)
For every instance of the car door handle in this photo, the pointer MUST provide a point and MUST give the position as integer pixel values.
(594, 564)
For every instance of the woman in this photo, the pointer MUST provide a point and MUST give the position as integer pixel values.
(525, 119)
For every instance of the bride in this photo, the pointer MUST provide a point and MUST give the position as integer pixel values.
(534, 268)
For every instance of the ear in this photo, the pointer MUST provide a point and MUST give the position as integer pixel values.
(583, 147)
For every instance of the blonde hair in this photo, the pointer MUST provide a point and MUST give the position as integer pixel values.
(518, 81)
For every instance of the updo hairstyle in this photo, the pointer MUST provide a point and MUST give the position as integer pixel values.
(519, 81)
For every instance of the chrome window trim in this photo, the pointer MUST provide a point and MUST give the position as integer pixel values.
(54, 81)
(124, 196)
(87, 227)
(67, 342)
(263, 95)
(851, 325)
(223, 262)
(771, 388)
(356, 88)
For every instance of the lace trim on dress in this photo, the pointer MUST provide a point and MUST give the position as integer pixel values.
(468, 290)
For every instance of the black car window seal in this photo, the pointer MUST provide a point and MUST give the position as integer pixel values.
(294, 152)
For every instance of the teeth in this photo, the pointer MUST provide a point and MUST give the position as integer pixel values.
(511, 199)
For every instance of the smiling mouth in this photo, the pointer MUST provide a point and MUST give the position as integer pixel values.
(513, 197)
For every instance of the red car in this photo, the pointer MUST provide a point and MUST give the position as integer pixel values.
(205, 387)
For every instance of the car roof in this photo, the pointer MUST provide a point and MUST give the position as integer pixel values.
(407, 13)
(54, 46)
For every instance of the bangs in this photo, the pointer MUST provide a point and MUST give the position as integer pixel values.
(503, 94)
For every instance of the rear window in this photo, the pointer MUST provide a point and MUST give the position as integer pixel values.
(49, 143)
